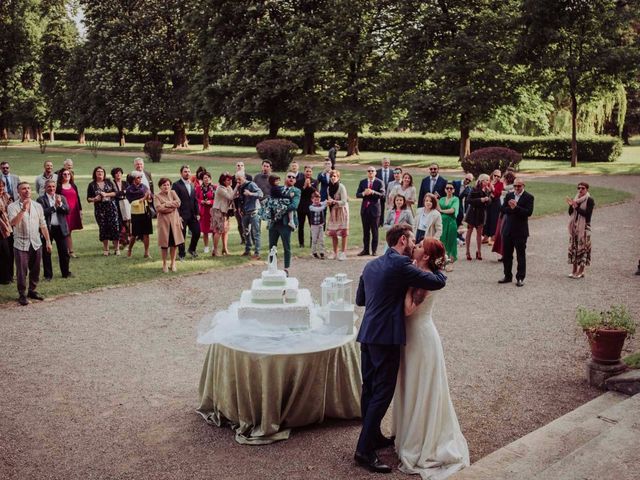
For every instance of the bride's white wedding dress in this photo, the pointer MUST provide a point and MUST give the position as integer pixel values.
(428, 437)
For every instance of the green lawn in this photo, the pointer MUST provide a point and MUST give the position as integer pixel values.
(92, 270)
(628, 163)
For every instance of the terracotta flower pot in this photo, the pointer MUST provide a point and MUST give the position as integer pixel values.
(606, 345)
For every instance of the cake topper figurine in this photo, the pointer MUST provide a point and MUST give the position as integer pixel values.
(273, 259)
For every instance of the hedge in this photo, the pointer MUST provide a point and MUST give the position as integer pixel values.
(590, 149)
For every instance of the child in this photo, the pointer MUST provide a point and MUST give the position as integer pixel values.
(277, 205)
(317, 215)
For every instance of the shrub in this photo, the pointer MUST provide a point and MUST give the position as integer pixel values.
(590, 148)
(153, 149)
(279, 150)
(486, 160)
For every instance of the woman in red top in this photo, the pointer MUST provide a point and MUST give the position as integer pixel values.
(67, 188)
(205, 195)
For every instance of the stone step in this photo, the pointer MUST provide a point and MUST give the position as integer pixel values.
(627, 383)
(611, 455)
(532, 453)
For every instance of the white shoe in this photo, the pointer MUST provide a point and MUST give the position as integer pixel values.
(331, 256)
(342, 256)
(206, 249)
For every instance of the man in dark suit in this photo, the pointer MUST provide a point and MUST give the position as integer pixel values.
(517, 208)
(307, 185)
(434, 183)
(189, 211)
(371, 191)
(11, 181)
(55, 213)
(382, 288)
(385, 174)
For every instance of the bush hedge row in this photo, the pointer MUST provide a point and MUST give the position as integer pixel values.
(590, 149)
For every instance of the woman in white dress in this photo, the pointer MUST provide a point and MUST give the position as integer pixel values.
(428, 441)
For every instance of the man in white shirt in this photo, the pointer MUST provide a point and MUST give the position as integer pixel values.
(138, 165)
(55, 210)
(47, 174)
(28, 222)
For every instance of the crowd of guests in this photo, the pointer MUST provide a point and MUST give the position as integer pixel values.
(495, 206)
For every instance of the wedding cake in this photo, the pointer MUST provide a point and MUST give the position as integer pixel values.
(275, 299)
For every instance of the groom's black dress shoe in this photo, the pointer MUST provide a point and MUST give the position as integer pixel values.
(384, 442)
(505, 280)
(363, 253)
(519, 283)
(372, 463)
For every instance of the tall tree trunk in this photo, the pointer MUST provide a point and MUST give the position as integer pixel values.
(180, 135)
(81, 136)
(574, 128)
(465, 141)
(121, 137)
(205, 136)
(154, 135)
(4, 134)
(52, 135)
(38, 134)
(274, 126)
(309, 143)
(352, 142)
(26, 133)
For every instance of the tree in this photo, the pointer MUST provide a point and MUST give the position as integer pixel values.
(584, 46)
(20, 99)
(456, 60)
(363, 38)
(58, 41)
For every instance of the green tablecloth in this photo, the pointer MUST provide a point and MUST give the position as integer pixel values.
(262, 396)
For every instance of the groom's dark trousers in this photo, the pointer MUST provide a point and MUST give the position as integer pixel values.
(383, 285)
(379, 365)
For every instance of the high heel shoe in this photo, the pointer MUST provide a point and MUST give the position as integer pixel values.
(469, 256)
(478, 256)
(225, 251)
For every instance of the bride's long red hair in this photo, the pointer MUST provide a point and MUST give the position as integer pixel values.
(436, 252)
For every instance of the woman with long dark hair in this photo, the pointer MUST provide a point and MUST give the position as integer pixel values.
(476, 214)
(102, 193)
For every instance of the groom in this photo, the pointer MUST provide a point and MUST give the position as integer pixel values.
(383, 285)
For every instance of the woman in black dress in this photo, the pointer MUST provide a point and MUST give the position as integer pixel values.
(102, 194)
(476, 214)
(139, 197)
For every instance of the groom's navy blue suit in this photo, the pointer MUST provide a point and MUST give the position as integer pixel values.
(382, 288)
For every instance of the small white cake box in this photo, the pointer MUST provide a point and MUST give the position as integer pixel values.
(337, 307)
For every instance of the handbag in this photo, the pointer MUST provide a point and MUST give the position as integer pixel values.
(152, 210)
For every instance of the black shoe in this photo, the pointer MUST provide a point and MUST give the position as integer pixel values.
(68, 275)
(519, 283)
(384, 442)
(638, 271)
(35, 295)
(505, 280)
(193, 254)
(48, 279)
(322, 256)
(371, 462)
(22, 300)
(246, 254)
(363, 253)
(181, 259)
(5, 282)
(374, 254)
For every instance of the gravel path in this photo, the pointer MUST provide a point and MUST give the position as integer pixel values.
(104, 384)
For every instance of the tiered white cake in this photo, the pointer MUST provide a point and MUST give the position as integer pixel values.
(275, 299)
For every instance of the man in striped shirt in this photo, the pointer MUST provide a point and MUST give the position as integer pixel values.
(28, 222)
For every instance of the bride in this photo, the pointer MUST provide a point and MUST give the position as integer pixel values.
(428, 437)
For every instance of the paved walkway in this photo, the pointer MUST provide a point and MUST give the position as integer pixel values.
(104, 384)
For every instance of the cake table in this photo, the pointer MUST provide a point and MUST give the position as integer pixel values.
(262, 395)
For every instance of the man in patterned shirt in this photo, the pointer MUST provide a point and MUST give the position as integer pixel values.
(28, 222)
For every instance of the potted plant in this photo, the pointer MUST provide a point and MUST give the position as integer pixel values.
(606, 331)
